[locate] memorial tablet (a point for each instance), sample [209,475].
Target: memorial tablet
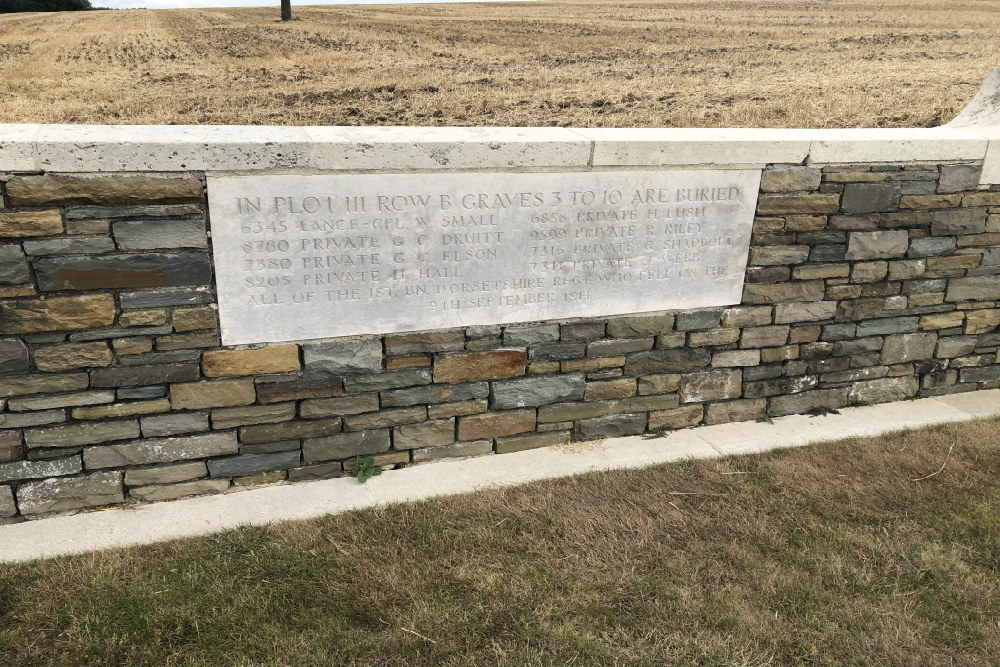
[301,257]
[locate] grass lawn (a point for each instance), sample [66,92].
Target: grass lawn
[831,554]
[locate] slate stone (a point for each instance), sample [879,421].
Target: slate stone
[345,445]
[980,288]
[711,385]
[391,380]
[123,271]
[827,253]
[70,493]
[458,449]
[435,393]
[955,221]
[425,434]
[166,474]
[640,326]
[694,320]
[77,245]
[152,391]
[252,464]
[346,357]
[41,383]
[13,266]
[198,487]
[13,356]
[888,325]
[150,211]
[610,426]
[959,177]
[73,435]
[666,361]
[271,447]
[931,246]
[515,336]
[167,296]
[117,332]
[779,386]
[519,443]
[399,345]
[252,414]
[313,428]
[157,234]
[883,390]
[790,179]
[28,419]
[323,386]
[133,376]
[160,450]
[735,411]
[581,331]
[7,506]
[496,424]
[492,365]
[18,470]
[881,244]
[158,358]
[345,405]
[537,390]
[988,374]
[614,347]
[870,197]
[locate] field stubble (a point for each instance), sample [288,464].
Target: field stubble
[677,63]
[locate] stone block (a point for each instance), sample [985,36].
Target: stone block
[49,189]
[955,346]
[979,288]
[694,320]
[201,487]
[38,469]
[74,435]
[123,271]
[735,358]
[166,474]
[713,337]
[81,245]
[981,199]
[610,426]
[149,211]
[881,244]
[770,336]
[902,348]
[204,339]
[314,472]
[10,446]
[58,401]
[456,409]
[539,390]
[14,356]
[854,222]
[402,363]
[735,411]
[7,506]
[814,271]
[495,424]
[682,417]
[252,414]
[666,361]
[959,177]
[556,351]
[345,405]
[945,320]
[869,272]
[69,356]
[778,255]
[426,434]
[981,321]
[805,290]
[313,428]
[590,365]
[122,409]
[400,345]
[989,374]
[659,383]
[63,494]
[492,365]
[640,326]
[271,447]
[38,384]
[951,222]
[160,234]
[135,376]
[581,331]
[30,223]
[930,201]
[272,359]
[456,450]
[139,318]
[746,316]
[711,385]
[213,394]
[768,274]
[790,179]
[166,296]
[292,390]
[519,443]
[193,319]
[13,266]
[385,418]
[806,401]
[779,386]
[781,204]
[531,334]
[870,198]
[883,390]
[617,388]
[887,325]
[160,450]
[345,445]
[384,381]
[252,464]
[931,246]
[87,311]
[616,347]
[785,313]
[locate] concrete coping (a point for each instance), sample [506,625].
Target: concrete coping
[973,136]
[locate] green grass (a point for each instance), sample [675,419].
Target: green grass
[824,555]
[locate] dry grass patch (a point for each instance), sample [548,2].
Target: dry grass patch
[825,555]
[647,63]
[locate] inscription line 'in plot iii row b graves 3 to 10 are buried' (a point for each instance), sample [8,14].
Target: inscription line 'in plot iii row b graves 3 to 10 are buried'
[300,257]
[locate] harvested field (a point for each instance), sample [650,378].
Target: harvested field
[728,63]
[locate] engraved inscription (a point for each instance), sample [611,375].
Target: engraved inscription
[301,257]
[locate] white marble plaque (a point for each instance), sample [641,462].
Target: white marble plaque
[301,257]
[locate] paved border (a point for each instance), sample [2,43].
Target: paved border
[157,522]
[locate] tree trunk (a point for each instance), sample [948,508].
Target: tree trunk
[286,10]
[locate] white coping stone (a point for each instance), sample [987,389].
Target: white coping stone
[423,148]
[697,146]
[991,164]
[896,145]
[145,524]
[17,147]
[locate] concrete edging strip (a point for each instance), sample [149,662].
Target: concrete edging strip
[157,522]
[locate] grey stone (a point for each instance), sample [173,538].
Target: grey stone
[955,346]
[383,381]
[70,493]
[435,393]
[925,286]
[666,361]
[693,320]
[582,331]
[61,401]
[348,356]
[160,450]
[518,336]
[124,271]
[133,376]
[537,390]
[252,464]
[557,351]
[618,347]
[870,197]
[199,487]
[790,179]
[980,288]
[344,405]
[883,390]
[119,332]
[152,211]
[849,348]
[165,297]
[345,445]
[779,386]
[13,355]
[157,234]
[406,344]
[959,177]
[857,374]
[805,401]
[458,449]
[882,244]
[988,374]
[711,386]
[687,416]
[7,506]
[426,434]
[173,424]
[40,383]
[13,266]
[166,474]
[518,443]
[314,472]
[74,435]
[149,391]
[75,245]
[887,325]
[954,221]
[161,358]
[610,426]
[991,257]
[17,470]
[26,419]
[640,326]
[252,414]
[827,253]
[312,428]
[835,332]
[812,311]
[918,188]
[385,418]
[778,255]
[931,246]
[271,447]
[902,348]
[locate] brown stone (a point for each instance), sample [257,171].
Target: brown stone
[56,358]
[711,385]
[619,388]
[747,316]
[425,434]
[930,201]
[735,411]
[519,443]
[806,290]
[13,292]
[981,321]
[87,311]
[273,359]
[771,336]
[252,414]
[193,319]
[199,487]
[941,320]
[31,223]
[779,204]
[495,424]
[683,417]
[407,344]
[595,364]
[471,407]
[50,189]
[132,345]
[713,337]
[385,418]
[981,199]
[122,409]
[41,383]
[10,446]
[492,365]
[216,394]
[813,271]
[143,318]
[402,363]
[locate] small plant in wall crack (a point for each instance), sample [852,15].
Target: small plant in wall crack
[365,468]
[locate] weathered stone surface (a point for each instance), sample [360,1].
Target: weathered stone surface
[313,428]
[157,234]
[456,409]
[51,189]
[979,288]
[153,391]
[30,223]
[539,390]
[37,384]
[201,487]
[399,345]
[7,506]
[426,434]
[746,316]
[214,394]
[730,358]
[805,290]
[768,274]
[955,346]
[693,320]
[666,361]
[24,316]
[135,376]
[610,426]
[785,313]
[61,401]
[882,244]
[495,424]
[888,325]
[589,365]
[869,272]
[870,197]
[711,385]
[160,450]
[62,494]
[902,348]
[384,381]
[252,414]
[122,409]
[72,435]
[345,445]
[346,405]
[314,387]
[581,331]
[813,271]
[13,266]
[72,355]
[988,374]
[931,246]
[458,449]
[344,356]
[10,446]
[435,393]
[616,388]
[683,417]
[981,199]
[402,363]
[618,347]
[252,464]
[123,271]
[273,359]
[193,319]
[981,321]
[958,221]
[18,470]
[519,443]
[771,336]
[384,460]
[492,365]
[790,179]
[779,386]
[271,447]
[959,177]
[81,245]
[778,255]
[166,474]
[640,326]
[166,296]
[795,404]
[854,222]
[735,411]
[150,211]
[143,318]
[778,204]
[385,418]
[314,472]
[521,335]
[13,356]
[883,390]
